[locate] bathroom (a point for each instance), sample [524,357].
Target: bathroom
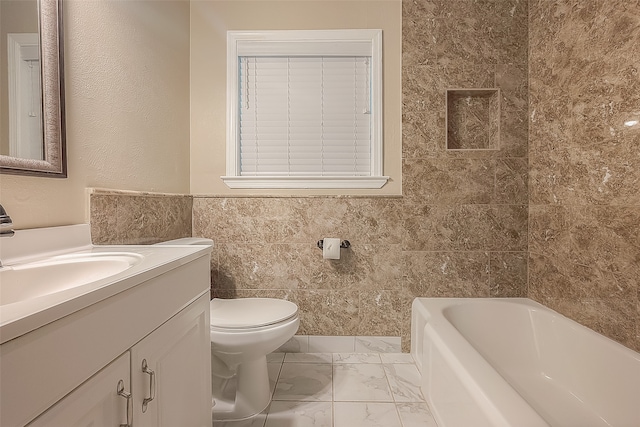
[553,215]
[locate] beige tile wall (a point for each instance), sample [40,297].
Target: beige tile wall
[136,218]
[460,228]
[267,247]
[559,196]
[584,236]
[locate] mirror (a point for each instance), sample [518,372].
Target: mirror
[32,121]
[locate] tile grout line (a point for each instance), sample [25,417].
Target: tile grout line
[273,394]
[333,365]
[393,396]
[333,395]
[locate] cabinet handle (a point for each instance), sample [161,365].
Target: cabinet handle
[152,385]
[121,392]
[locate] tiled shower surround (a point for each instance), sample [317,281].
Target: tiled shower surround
[584,161]
[555,219]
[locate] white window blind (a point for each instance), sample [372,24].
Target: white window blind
[304,109]
[305,116]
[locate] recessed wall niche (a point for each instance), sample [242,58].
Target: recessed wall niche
[473,119]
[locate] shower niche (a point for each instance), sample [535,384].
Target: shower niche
[473,119]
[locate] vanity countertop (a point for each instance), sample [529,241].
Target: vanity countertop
[21,317]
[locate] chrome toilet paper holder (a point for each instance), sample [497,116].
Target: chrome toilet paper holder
[344,244]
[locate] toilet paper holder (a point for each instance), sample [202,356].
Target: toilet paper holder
[344,244]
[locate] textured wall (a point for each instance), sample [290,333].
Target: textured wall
[460,228]
[266,247]
[127,105]
[585,163]
[210,21]
[135,218]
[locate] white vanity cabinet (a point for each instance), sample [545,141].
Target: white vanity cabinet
[172,391]
[169,392]
[94,403]
[66,373]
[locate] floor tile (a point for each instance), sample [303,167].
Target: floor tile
[324,344]
[415,415]
[308,358]
[297,344]
[275,357]
[304,381]
[356,358]
[347,414]
[404,380]
[273,369]
[396,358]
[360,382]
[257,421]
[342,390]
[377,345]
[300,414]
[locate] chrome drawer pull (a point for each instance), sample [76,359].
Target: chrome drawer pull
[152,385]
[121,392]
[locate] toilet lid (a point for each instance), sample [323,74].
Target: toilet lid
[250,312]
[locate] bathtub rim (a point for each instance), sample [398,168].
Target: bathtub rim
[481,381]
[430,312]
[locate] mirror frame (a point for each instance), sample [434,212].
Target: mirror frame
[54,164]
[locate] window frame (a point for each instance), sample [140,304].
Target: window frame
[303,43]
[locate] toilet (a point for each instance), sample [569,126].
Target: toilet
[243,331]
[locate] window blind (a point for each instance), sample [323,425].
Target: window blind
[305,115]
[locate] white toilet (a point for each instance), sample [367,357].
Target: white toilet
[243,332]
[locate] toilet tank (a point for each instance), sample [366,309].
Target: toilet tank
[188,241]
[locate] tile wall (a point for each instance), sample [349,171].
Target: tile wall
[469,223]
[584,153]
[133,218]
[458,230]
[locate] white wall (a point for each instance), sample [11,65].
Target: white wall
[210,21]
[127,100]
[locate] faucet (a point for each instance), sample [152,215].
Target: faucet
[5,224]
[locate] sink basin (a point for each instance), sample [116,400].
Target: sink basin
[35,279]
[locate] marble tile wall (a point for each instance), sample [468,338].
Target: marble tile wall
[267,247]
[473,118]
[584,153]
[136,218]
[552,215]
[465,212]
[458,230]
[460,227]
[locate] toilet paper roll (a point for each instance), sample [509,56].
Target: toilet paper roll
[331,248]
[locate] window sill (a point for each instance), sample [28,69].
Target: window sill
[354,182]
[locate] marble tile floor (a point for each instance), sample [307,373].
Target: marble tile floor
[342,390]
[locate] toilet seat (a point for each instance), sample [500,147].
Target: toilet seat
[250,313]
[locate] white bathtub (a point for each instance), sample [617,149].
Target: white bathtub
[513,362]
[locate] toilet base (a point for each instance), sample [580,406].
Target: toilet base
[250,396]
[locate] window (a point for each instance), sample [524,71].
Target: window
[304,109]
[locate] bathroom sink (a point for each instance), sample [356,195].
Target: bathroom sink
[52,272]
[30,280]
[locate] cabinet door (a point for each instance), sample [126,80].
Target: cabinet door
[95,403]
[175,388]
